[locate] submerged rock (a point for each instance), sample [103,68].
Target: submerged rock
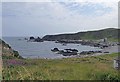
[69,53]
[64,44]
[90,52]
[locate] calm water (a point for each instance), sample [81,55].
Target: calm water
[41,49]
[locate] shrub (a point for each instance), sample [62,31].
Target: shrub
[107,76]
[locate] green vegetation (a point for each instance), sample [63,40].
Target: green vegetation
[88,68]
[110,33]
[8,52]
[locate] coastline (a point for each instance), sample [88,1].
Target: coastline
[110,49]
[100,66]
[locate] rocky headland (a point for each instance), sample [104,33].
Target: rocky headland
[110,33]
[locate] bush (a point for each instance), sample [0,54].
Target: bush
[107,76]
[16,54]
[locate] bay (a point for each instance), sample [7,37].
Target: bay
[42,49]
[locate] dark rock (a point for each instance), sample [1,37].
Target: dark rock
[32,38]
[69,53]
[38,39]
[106,52]
[60,52]
[90,52]
[55,50]
[71,50]
[98,51]
[118,43]
[65,52]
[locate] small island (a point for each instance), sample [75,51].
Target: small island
[33,39]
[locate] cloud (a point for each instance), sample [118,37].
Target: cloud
[88,9]
[58,17]
[95,1]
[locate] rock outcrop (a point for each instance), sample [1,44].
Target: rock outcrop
[32,39]
[65,52]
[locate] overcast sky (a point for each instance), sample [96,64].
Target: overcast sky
[55,17]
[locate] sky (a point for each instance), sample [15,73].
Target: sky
[39,18]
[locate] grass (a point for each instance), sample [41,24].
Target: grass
[89,68]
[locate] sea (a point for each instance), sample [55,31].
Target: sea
[42,49]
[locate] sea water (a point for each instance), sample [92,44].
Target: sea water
[42,49]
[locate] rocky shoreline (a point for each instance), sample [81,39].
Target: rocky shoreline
[102,44]
[96,43]
[74,52]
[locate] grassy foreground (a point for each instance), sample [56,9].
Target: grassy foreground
[89,68]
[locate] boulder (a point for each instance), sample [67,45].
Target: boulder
[32,38]
[55,50]
[71,50]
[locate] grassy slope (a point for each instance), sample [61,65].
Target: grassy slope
[89,68]
[110,33]
[6,52]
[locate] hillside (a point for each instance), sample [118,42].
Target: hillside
[8,52]
[110,33]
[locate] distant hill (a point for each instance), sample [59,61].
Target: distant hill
[110,33]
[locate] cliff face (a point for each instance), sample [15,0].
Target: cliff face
[110,33]
[7,51]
